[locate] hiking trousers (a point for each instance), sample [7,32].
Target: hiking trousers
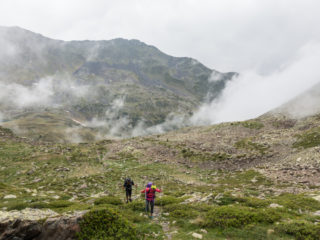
[128,192]
[151,203]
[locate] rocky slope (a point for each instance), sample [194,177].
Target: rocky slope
[99,83]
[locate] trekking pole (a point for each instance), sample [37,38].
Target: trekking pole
[145,199]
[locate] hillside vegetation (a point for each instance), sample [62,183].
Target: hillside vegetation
[257,179]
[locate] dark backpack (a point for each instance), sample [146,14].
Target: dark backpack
[128,183]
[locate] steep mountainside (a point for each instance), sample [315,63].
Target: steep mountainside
[88,78]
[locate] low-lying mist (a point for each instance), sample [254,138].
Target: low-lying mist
[250,94]
[246,96]
[46,92]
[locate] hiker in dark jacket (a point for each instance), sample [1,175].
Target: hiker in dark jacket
[128,183]
[150,195]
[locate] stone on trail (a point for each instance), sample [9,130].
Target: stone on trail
[275,205]
[11,196]
[204,231]
[317,213]
[316,198]
[197,235]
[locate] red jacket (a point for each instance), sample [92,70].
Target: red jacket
[150,193]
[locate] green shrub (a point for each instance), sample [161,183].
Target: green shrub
[183,214]
[39,205]
[238,216]
[59,204]
[268,215]
[149,229]
[105,224]
[308,139]
[166,200]
[254,202]
[226,199]
[252,124]
[136,206]
[51,205]
[133,216]
[108,200]
[17,206]
[229,216]
[185,211]
[252,146]
[298,201]
[3,186]
[204,157]
[300,230]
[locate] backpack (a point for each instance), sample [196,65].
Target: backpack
[128,182]
[153,192]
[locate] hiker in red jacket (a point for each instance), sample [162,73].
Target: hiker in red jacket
[150,195]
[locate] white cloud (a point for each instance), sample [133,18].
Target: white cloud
[41,93]
[251,94]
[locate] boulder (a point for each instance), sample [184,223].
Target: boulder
[29,225]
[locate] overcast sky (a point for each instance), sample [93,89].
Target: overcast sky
[226,35]
[273,44]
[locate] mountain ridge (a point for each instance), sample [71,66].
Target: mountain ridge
[151,84]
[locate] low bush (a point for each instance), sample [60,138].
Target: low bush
[298,201]
[59,204]
[136,206]
[51,205]
[105,224]
[226,199]
[252,124]
[166,200]
[300,230]
[184,211]
[308,139]
[17,206]
[108,200]
[254,202]
[238,216]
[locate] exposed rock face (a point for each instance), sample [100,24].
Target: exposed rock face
[22,227]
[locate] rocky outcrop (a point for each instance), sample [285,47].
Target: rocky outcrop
[17,225]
